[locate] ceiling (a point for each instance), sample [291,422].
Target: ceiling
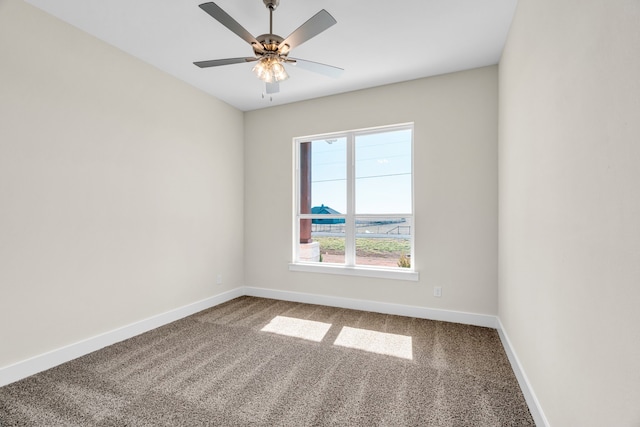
[375,42]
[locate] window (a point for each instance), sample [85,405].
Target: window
[354,200]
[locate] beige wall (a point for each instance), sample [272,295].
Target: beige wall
[455,164]
[570,206]
[120,187]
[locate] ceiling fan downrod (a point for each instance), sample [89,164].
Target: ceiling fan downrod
[271,5]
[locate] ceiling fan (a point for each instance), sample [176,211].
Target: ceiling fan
[271,51]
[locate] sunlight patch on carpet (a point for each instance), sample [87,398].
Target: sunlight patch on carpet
[298,328]
[376,342]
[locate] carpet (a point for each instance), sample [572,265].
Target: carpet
[262,362]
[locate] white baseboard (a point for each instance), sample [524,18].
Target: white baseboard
[377,307]
[529,395]
[61,355]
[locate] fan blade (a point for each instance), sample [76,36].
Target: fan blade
[314,26]
[223,17]
[273,87]
[218,62]
[316,67]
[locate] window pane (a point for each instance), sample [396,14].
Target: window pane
[383,242]
[322,241]
[383,172]
[323,176]
[331,238]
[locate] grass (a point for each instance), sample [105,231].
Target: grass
[366,246]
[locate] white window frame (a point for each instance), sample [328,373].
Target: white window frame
[349,268]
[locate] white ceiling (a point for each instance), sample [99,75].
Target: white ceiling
[375,42]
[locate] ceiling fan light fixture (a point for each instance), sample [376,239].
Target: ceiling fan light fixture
[279,73]
[270,70]
[262,71]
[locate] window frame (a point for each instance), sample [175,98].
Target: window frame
[349,267]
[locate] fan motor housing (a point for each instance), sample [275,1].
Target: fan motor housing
[270,42]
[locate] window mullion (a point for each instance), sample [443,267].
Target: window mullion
[350,227]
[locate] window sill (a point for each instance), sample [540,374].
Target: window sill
[381,273]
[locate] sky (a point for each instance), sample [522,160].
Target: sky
[383,173]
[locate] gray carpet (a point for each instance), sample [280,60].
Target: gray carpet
[231,365]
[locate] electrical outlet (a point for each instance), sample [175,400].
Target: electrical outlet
[219,279]
[437,291]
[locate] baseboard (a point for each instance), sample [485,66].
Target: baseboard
[529,395]
[61,355]
[377,307]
